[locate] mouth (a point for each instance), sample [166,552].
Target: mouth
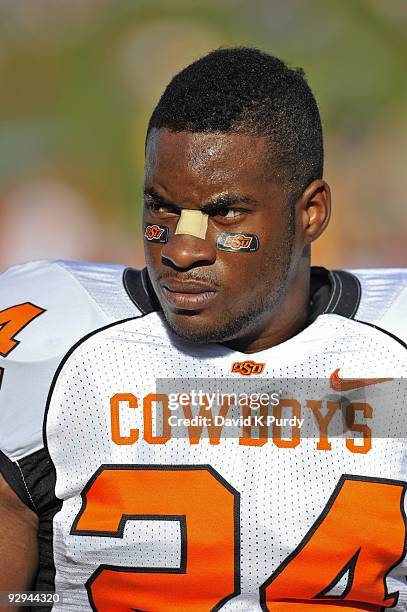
[187,295]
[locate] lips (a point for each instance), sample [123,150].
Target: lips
[187,295]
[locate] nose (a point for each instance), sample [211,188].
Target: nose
[185,251]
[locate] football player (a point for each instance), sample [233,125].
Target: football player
[128,481]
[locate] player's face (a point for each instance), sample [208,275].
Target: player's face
[207,294]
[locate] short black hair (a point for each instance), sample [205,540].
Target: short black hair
[249,91]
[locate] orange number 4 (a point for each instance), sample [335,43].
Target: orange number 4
[356,541]
[12,321]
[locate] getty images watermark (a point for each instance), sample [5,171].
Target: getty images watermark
[204,405]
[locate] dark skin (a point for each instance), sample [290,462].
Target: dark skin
[247,301]
[18,544]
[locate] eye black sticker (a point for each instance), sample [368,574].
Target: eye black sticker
[156,233]
[238,243]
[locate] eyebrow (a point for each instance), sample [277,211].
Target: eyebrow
[222,201]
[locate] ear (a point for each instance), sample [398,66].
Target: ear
[315,206]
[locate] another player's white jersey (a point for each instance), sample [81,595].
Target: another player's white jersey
[45,308]
[149,500]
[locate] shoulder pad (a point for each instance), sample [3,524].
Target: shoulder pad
[384,299]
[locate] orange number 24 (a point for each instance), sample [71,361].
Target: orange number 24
[360,536]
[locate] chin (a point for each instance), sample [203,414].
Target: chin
[193,328]
[185,327]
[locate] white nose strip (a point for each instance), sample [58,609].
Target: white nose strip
[192,222]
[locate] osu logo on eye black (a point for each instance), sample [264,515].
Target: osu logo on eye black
[237,242]
[246,368]
[156,233]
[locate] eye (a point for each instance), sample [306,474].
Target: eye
[159,210]
[231,214]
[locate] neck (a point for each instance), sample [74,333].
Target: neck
[288,318]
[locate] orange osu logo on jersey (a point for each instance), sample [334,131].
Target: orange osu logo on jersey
[246,368]
[153,231]
[240,241]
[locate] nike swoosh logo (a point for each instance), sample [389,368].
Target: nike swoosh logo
[347,384]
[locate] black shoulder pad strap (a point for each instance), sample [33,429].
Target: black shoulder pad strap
[346,294]
[14,477]
[139,289]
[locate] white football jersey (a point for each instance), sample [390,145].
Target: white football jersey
[173,476]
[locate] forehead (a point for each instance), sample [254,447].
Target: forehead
[205,161]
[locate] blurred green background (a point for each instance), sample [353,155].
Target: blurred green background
[79,79]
